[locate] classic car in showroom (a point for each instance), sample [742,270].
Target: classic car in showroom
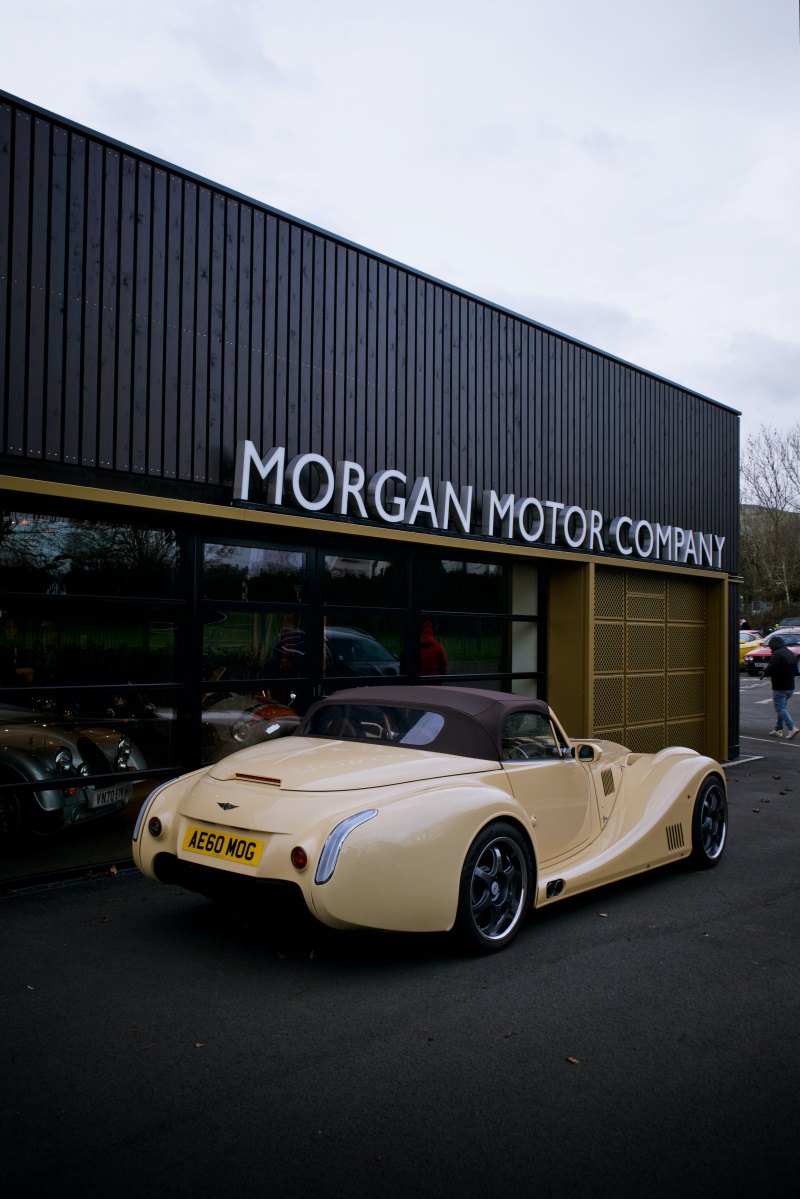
[427,809]
[37,747]
[757,658]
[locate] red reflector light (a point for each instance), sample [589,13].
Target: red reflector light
[71,791]
[154,824]
[299,858]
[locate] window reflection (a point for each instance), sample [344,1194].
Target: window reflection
[233,720]
[237,572]
[67,743]
[458,586]
[470,645]
[67,556]
[372,648]
[364,581]
[61,643]
[253,645]
[104,839]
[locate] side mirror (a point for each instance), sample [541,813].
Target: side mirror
[587,753]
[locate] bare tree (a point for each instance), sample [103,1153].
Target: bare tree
[770,524]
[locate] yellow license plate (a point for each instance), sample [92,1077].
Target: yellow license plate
[226,847]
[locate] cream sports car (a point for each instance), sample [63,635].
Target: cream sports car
[424,809]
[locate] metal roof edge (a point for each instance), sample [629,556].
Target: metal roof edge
[344,241]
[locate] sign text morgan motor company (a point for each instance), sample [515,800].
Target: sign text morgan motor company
[345,491]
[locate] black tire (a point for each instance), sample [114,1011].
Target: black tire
[709,824]
[496,889]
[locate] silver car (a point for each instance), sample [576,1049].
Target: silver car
[36,749]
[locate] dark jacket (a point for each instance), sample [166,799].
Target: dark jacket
[782,666]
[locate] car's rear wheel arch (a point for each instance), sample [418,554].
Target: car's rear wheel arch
[709,822]
[526,833]
[500,862]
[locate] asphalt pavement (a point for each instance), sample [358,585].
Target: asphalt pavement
[641,1040]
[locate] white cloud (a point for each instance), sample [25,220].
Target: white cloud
[626,172]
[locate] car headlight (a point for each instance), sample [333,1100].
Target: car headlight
[123,752]
[63,761]
[330,852]
[143,810]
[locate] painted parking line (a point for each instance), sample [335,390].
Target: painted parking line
[770,740]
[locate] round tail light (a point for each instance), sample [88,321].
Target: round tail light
[154,825]
[299,858]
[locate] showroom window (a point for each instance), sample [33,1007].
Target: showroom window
[132,653]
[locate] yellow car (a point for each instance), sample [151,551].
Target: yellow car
[748,640]
[430,809]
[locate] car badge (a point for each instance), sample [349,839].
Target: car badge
[226,807]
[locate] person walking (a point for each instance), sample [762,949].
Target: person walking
[782,670]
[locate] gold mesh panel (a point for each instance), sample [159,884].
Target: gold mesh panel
[686,599]
[609,593]
[650,658]
[643,582]
[691,733]
[647,739]
[645,698]
[645,647]
[608,702]
[610,735]
[686,695]
[686,647]
[609,648]
[645,607]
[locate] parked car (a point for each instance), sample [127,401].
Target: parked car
[230,722]
[748,640]
[348,652]
[34,748]
[755,660]
[424,809]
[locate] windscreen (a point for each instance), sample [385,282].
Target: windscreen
[375,722]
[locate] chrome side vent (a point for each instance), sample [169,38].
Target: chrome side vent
[608,781]
[674,836]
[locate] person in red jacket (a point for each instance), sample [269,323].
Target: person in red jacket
[432,658]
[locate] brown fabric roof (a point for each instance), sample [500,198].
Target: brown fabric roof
[474,719]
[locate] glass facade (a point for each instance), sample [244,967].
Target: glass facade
[129,654]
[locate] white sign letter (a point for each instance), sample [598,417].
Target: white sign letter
[246,456]
[421,502]
[504,508]
[343,488]
[446,498]
[614,534]
[519,518]
[375,497]
[720,541]
[295,469]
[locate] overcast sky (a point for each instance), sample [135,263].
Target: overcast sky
[626,171]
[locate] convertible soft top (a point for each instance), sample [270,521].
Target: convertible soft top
[473,722]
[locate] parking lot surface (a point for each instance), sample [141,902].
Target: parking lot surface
[640,1040]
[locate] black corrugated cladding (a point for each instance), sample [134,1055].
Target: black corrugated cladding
[151,319]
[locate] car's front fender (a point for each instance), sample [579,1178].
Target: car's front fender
[402,869]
